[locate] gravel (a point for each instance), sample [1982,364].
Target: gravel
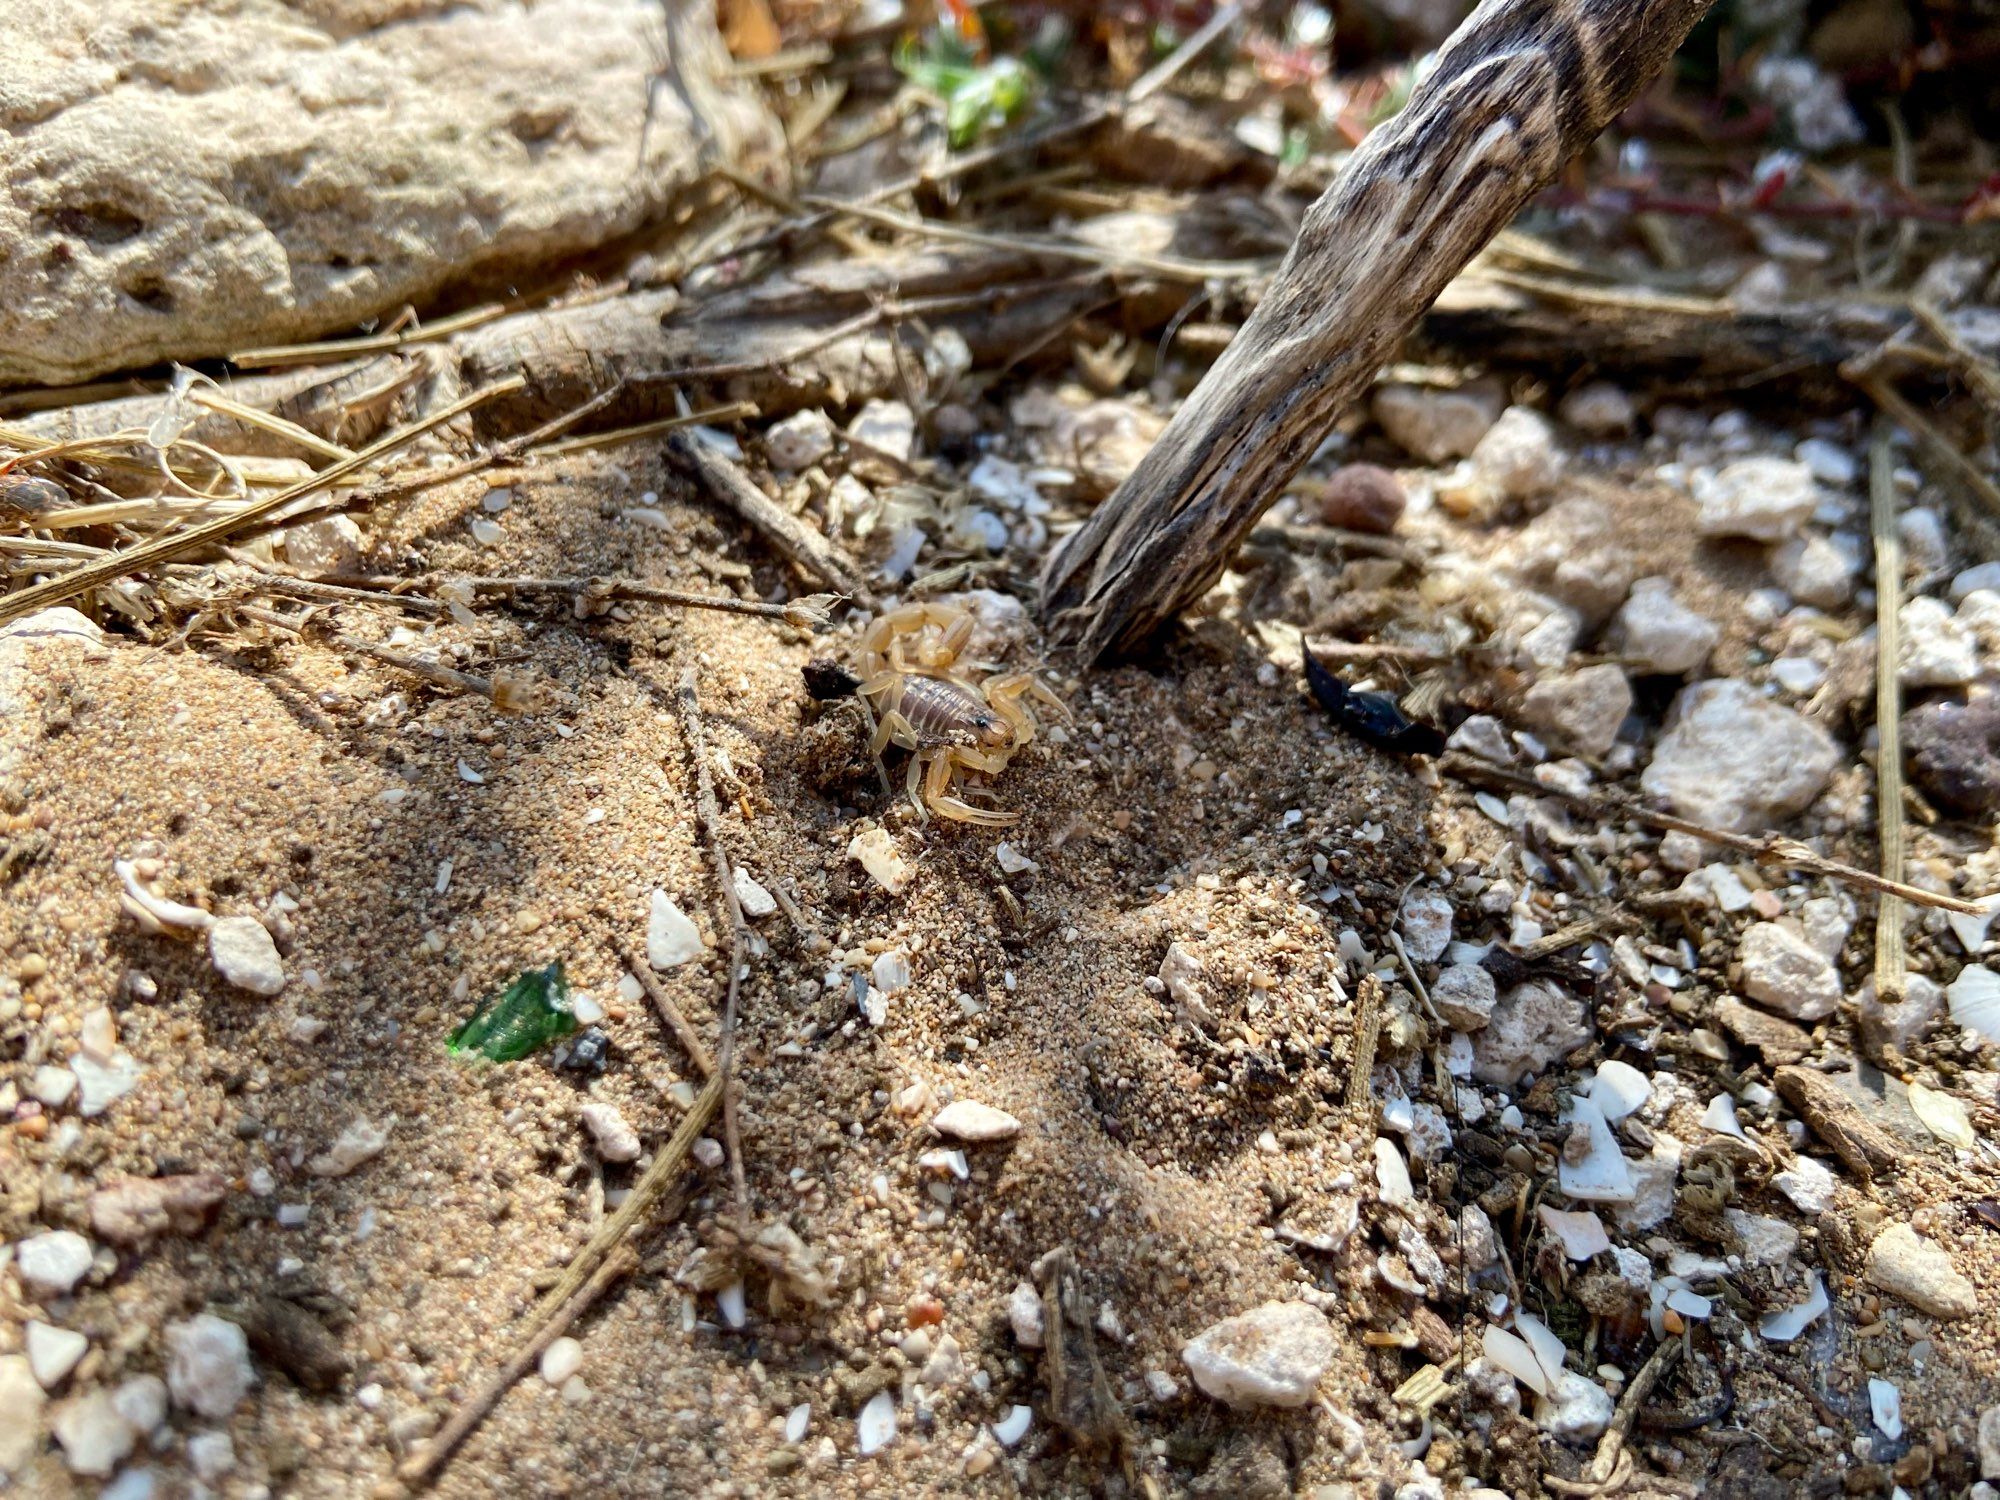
[1273,1355]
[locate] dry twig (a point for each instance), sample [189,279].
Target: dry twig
[422,1466]
[1772,849]
[711,822]
[179,544]
[1890,960]
[725,482]
[807,613]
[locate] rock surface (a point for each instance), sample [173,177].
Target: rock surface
[243,953]
[53,1262]
[1953,752]
[20,1413]
[186,178]
[1763,499]
[1787,973]
[1363,497]
[1532,1026]
[1436,425]
[1906,1265]
[1737,761]
[1581,709]
[1273,1355]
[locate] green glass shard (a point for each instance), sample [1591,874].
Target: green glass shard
[525,1017]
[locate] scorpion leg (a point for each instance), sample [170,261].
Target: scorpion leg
[916,783]
[937,792]
[894,729]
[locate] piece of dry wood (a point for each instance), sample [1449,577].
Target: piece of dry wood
[808,613]
[1837,1120]
[676,1020]
[1521,87]
[727,484]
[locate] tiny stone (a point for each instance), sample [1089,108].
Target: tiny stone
[1363,497]
[965,1120]
[1734,760]
[360,1142]
[1464,995]
[1517,456]
[1434,424]
[1532,1026]
[21,1402]
[1426,920]
[752,897]
[1658,633]
[1785,972]
[672,938]
[208,1365]
[95,1438]
[1583,709]
[1024,1315]
[1273,1355]
[562,1359]
[1953,752]
[100,1085]
[51,1086]
[613,1138]
[53,1352]
[211,1455]
[243,953]
[1808,1184]
[1578,1413]
[1920,1272]
[1815,571]
[1598,408]
[51,1263]
[128,1211]
[1764,499]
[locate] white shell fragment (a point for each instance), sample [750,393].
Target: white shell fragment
[1392,1174]
[1617,1089]
[1975,1001]
[1580,1234]
[1600,1176]
[1786,1324]
[1011,1428]
[158,908]
[877,852]
[1511,1353]
[876,1426]
[1885,1404]
[672,938]
[361,1141]
[1721,1116]
[752,897]
[243,953]
[967,1120]
[1944,1115]
[1273,1355]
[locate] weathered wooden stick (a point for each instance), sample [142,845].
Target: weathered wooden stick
[1520,88]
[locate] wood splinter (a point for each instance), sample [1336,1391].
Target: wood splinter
[1519,89]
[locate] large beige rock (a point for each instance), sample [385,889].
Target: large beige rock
[180,178]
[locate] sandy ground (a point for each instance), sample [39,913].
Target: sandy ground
[1189,802]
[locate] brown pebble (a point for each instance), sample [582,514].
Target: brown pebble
[31,968]
[1363,497]
[923,1312]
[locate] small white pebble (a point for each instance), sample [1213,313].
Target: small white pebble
[562,1359]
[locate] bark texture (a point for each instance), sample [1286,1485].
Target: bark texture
[1521,87]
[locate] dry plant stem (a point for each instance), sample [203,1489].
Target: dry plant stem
[179,544]
[1610,1459]
[298,354]
[416,666]
[627,588]
[711,823]
[734,411]
[421,1467]
[334,593]
[1772,849]
[1519,89]
[675,1019]
[312,442]
[730,486]
[1980,375]
[1961,472]
[647,1191]
[1891,963]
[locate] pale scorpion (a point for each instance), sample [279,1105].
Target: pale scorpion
[948,723]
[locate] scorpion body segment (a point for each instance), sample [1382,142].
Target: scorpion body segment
[948,723]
